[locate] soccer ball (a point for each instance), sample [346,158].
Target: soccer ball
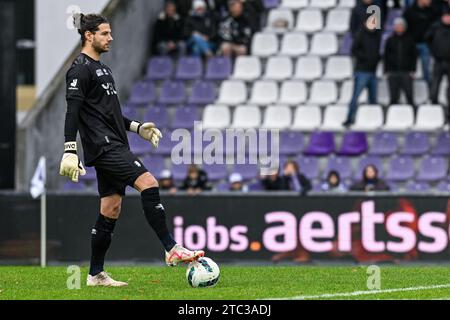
[203,273]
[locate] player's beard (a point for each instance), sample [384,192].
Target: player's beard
[98,47]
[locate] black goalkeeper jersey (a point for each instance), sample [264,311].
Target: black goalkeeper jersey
[90,84]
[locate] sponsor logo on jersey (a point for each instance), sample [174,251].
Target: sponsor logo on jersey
[99,72]
[73,85]
[105,71]
[109,87]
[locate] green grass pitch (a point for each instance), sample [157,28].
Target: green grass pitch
[236,282]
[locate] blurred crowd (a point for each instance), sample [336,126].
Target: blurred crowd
[422,31]
[207,27]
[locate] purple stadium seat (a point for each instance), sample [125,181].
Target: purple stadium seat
[129,112]
[442,147]
[216,171]
[291,143]
[416,143]
[346,46]
[203,92]
[159,68]
[392,15]
[157,115]
[413,186]
[354,143]
[172,92]
[222,187]
[218,68]
[90,174]
[309,166]
[189,68]
[72,186]
[255,187]
[364,162]
[142,93]
[270,4]
[165,144]
[179,171]
[400,168]
[138,145]
[184,117]
[443,186]
[432,169]
[339,164]
[320,144]
[154,164]
[384,143]
[247,171]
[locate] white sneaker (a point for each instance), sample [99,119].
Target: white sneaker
[103,279]
[180,254]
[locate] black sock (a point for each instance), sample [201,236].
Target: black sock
[156,217]
[100,241]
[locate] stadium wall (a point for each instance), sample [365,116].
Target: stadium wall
[232,228]
[41,133]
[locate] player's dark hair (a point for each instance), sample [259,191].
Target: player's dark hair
[88,22]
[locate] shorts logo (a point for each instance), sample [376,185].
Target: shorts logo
[94,231]
[159,206]
[107,139]
[99,72]
[137,164]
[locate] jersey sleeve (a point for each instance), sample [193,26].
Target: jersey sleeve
[77,84]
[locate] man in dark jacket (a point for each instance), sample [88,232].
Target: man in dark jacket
[400,59]
[168,32]
[359,16]
[200,30]
[366,51]
[293,179]
[420,16]
[253,9]
[438,39]
[235,32]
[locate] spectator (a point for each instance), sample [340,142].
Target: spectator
[196,180]
[234,31]
[359,16]
[272,181]
[370,181]
[200,29]
[293,180]
[366,50]
[168,32]
[253,10]
[184,7]
[420,16]
[166,182]
[438,39]
[333,183]
[236,183]
[400,60]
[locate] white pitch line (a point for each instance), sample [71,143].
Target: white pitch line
[360,293]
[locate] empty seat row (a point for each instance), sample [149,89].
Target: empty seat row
[306,68]
[188,68]
[294,44]
[299,4]
[292,92]
[369,118]
[309,20]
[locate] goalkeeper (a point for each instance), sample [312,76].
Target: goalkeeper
[93,110]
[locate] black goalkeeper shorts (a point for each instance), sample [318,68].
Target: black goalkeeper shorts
[116,169]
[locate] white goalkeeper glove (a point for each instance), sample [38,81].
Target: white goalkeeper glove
[71,166]
[147,131]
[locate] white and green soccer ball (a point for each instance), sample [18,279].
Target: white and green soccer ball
[203,273]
